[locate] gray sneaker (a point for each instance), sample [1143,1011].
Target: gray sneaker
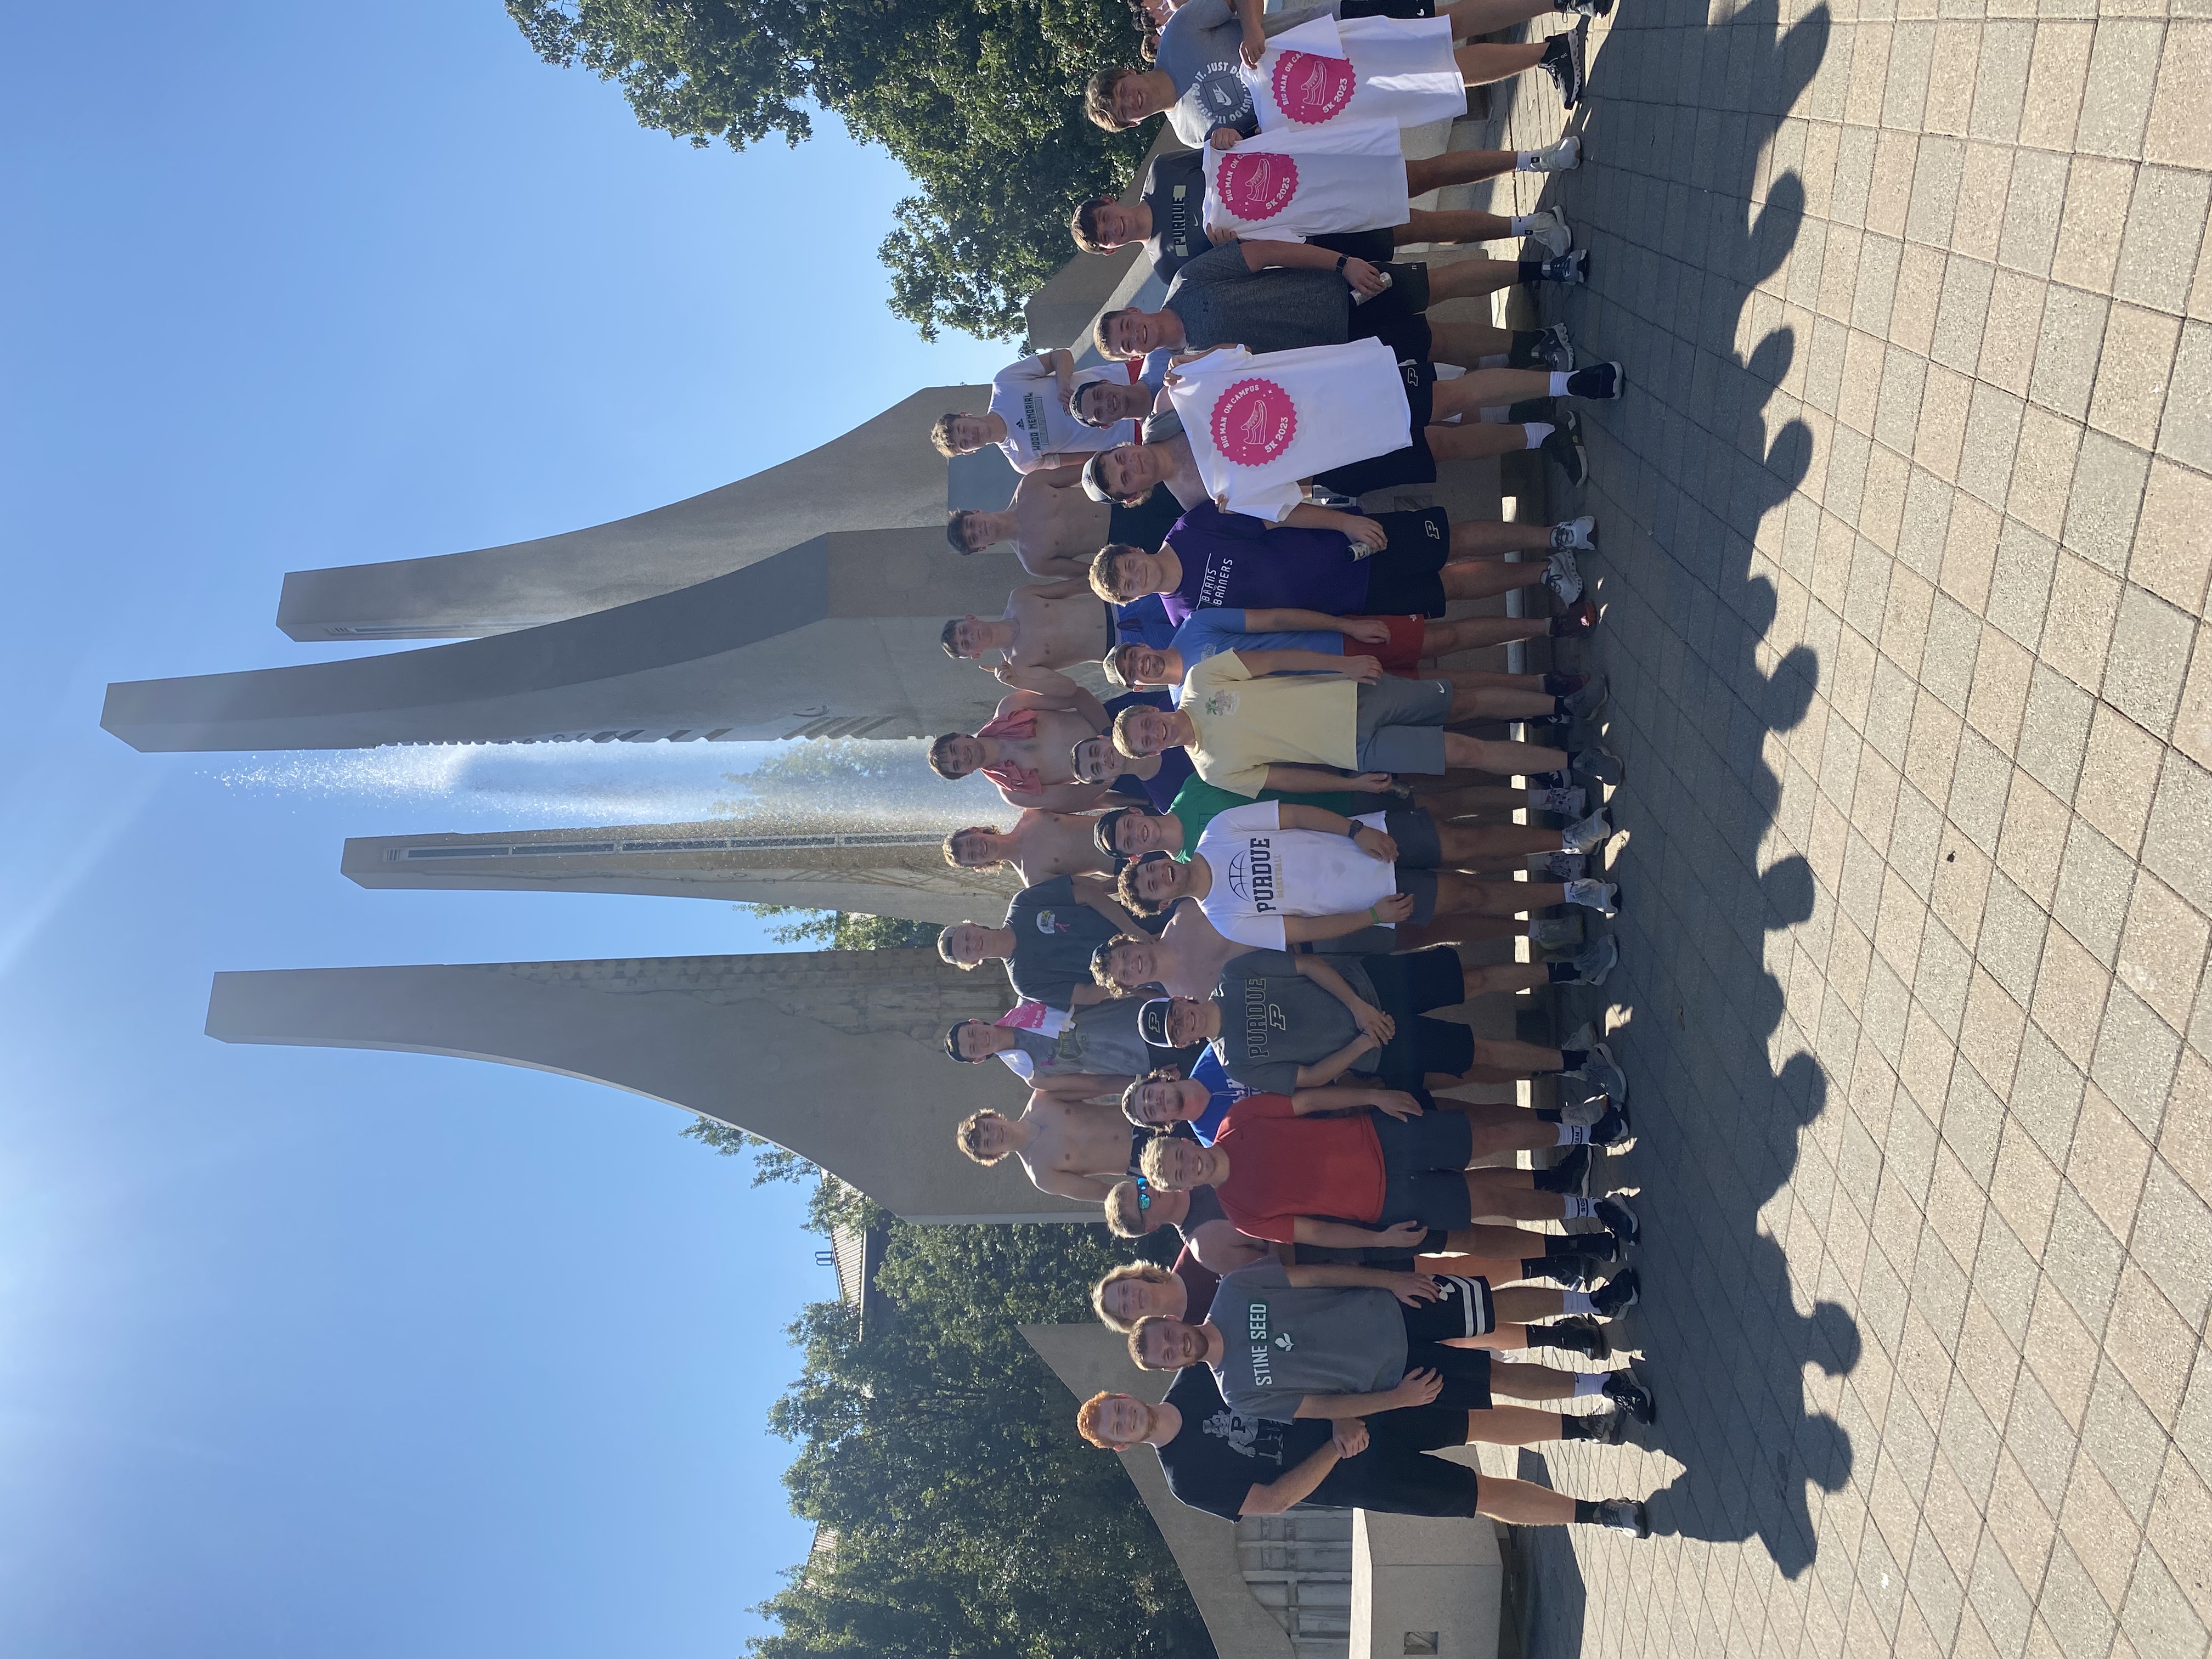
[1584,1036]
[1598,895]
[1559,866]
[1600,765]
[1602,1074]
[1596,960]
[1563,577]
[1580,534]
[1550,231]
[1624,1515]
[1566,801]
[1556,933]
[1589,703]
[1562,157]
[1592,833]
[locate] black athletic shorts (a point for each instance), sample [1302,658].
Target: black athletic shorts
[1419,853]
[1396,1476]
[1405,987]
[1396,315]
[1423,1161]
[1373,245]
[1403,580]
[1412,465]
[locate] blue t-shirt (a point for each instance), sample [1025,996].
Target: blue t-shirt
[1240,562]
[1221,627]
[1144,622]
[1225,1091]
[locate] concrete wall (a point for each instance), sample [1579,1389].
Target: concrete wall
[832,1054]
[836,637]
[882,475]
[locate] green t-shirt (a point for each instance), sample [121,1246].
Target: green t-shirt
[1197,802]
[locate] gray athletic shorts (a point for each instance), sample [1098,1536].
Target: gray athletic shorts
[1419,853]
[1402,725]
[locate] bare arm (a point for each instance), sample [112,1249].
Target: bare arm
[1260,663]
[1310,256]
[1079,1086]
[1292,815]
[1346,1404]
[1343,1236]
[1067,589]
[1342,1096]
[1219,1247]
[1096,895]
[1305,930]
[1323,1275]
[1320,780]
[1333,982]
[1063,1185]
[1060,797]
[1278,619]
[1307,516]
[1328,1070]
[1292,1487]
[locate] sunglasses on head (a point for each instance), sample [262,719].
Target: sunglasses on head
[1144,1193]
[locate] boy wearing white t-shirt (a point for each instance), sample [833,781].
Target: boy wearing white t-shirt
[1274,874]
[1029,417]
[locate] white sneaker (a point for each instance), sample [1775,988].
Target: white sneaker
[1579,534]
[1599,895]
[1558,799]
[1563,577]
[1562,157]
[1592,832]
[1549,230]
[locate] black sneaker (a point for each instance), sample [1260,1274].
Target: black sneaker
[1573,268]
[1563,61]
[1581,616]
[1556,347]
[1576,1333]
[1625,1389]
[1617,1295]
[1564,447]
[1570,1176]
[1576,1272]
[1613,1128]
[1618,1219]
[1597,383]
[1623,1515]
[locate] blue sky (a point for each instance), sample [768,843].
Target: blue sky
[321,1353]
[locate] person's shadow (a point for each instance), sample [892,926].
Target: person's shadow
[1683,222]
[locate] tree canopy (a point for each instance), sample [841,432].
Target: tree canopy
[970,1522]
[980,101]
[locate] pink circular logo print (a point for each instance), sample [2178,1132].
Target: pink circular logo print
[1253,187]
[1253,423]
[1310,90]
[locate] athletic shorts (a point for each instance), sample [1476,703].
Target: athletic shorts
[1405,987]
[1410,466]
[1396,1476]
[1403,579]
[1401,653]
[1401,726]
[1466,1372]
[1464,1309]
[1423,1159]
[1395,316]
[1373,245]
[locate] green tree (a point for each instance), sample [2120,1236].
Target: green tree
[980,101]
[971,1521]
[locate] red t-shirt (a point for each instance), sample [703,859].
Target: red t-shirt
[1282,1166]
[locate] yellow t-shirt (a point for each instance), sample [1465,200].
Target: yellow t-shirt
[1247,725]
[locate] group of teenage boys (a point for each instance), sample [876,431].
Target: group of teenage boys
[1245,872]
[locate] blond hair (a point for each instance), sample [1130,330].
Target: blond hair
[1151,1272]
[1124,744]
[952,847]
[1153,1160]
[1120,1197]
[968,1135]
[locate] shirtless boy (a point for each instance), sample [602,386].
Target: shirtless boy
[1074,1148]
[1045,625]
[1040,845]
[1053,523]
[1026,749]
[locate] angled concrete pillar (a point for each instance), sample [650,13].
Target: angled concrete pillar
[897,873]
[832,1054]
[1089,1358]
[836,637]
[882,475]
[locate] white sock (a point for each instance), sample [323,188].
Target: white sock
[1537,431]
[1498,359]
[1572,1134]
[1575,1302]
[1559,385]
[1578,1209]
[1588,1383]
[1525,160]
[1520,223]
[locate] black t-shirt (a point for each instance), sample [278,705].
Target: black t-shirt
[1055,934]
[1204,1208]
[1175,189]
[1219,1454]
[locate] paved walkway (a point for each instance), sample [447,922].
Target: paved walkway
[1907,523]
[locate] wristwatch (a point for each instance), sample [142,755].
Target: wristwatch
[1340,258]
[1353,833]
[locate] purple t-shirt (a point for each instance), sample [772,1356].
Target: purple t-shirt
[1235,559]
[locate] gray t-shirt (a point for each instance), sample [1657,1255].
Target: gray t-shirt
[1280,1344]
[1199,49]
[1175,189]
[1103,1042]
[1274,1019]
[1222,301]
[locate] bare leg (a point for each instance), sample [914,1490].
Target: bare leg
[1518,1382]
[1472,1267]
[1471,17]
[1479,66]
[1458,167]
[1496,1243]
[1500,1129]
[1505,979]
[1522,1058]
[1450,225]
[1462,841]
[1507,1193]
[1476,440]
[1512,1425]
[1527,1305]
[1463,929]
[1475,798]
[1500,757]
[1467,344]
[1492,703]
[1485,388]
[1495,898]
[1523,1502]
[1482,579]
[1466,279]
[1482,538]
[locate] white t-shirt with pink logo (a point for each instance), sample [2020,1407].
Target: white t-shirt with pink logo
[1296,182]
[1398,70]
[1259,424]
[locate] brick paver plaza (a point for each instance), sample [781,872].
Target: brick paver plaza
[1906,524]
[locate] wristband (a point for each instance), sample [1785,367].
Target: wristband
[1373,916]
[1340,258]
[1351,831]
